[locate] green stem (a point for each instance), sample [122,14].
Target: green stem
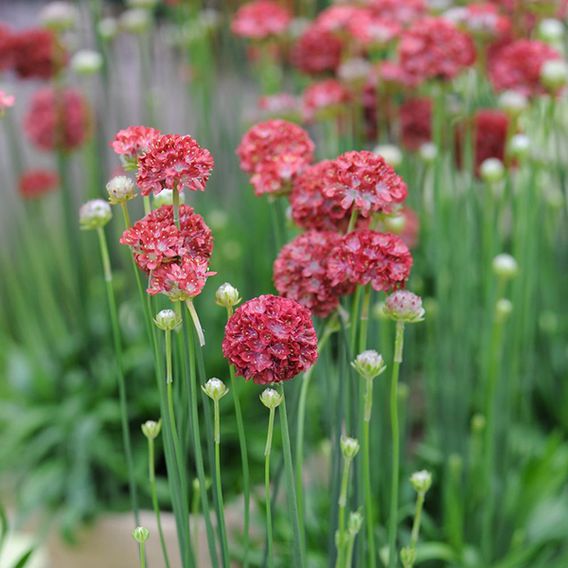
[175,203]
[341,516]
[267,450]
[196,322]
[352,220]
[369,517]
[142,554]
[417,517]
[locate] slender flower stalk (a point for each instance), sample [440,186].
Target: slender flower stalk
[140,535]
[354,526]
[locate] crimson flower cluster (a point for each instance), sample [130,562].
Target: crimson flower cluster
[36,183]
[317,51]
[130,143]
[270,339]
[260,20]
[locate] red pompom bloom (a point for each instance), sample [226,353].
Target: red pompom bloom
[174,161]
[57,119]
[274,152]
[518,65]
[364,181]
[300,272]
[416,122]
[260,20]
[317,51]
[130,143]
[270,339]
[36,183]
[433,48]
[367,257]
[37,54]
[325,97]
[401,12]
[372,30]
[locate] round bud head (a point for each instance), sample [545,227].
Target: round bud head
[349,447]
[94,214]
[87,62]
[270,398]
[421,481]
[428,152]
[408,556]
[503,309]
[120,189]
[369,364]
[550,30]
[215,389]
[478,423]
[513,102]
[554,74]
[59,16]
[107,28]
[519,146]
[395,224]
[492,170]
[227,296]
[404,306]
[140,534]
[167,320]
[390,153]
[505,266]
[135,21]
[166,197]
[151,429]
[354,523]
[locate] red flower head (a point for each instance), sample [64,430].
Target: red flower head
[517,66]
[317,51]
[393,72]
[401,12]
[364,181]
[300,272]
[6,47]
[490,127]
[270,339]
[274,152]
[416,122]
[180,280]
[57,119]
[130,143]
[325,97]
[433,48]
[368,257]
[260,19]
[174,161]
[336,19]
[37,54]
[36,183]
[372,30]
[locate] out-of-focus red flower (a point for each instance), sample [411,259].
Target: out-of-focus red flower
[274,152]
[260,19]
[300,272]
[270,339]
[317,51]
[370,30]
[517,66]
[368,257]
[6,47]
[490,126]
[336,18]
[393,72]
[6,101]
[36,183]
[434,48]
[364,181]
[174,161]
[36,54]
[481,20]
[401,12]
[280,105]
[416,122]
[324,98]
[130,143]
[57,119]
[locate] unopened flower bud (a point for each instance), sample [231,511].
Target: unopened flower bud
[166,197]
[59,16]
[513,102]
[354,523]
[519,146]
[550,30]
[94,214]
[428,152]
[503,309]
[492,170]
[227,296]
[151,429]
[87,62]
[215,389]
[107,28]
[408,556]
[421,481]
[270,398]
[349,447]
[369,364]
[478,423]
[167,320]
[135,21]
[390,153]
[505,266]
[554,74]
[120,189]
[140,534]
[404,306]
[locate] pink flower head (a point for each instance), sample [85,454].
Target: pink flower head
[401,12]
[364,181]
[260,19]
[270,339]
[325,97]
[36,183]
[300,271]
[317,51]
[6,101]
[393,72]
[37,54]
[130,143]
[274,152]
[336,18]
[416,122]
[371,30]
[369,257]
[174,161]
[180,280]
[280,105]
[434,48]
[57,119]
[517,66]
[481,20]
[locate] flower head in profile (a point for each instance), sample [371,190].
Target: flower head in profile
[173,161]
[260,19]
[270,339]
[36,183]
[130,143]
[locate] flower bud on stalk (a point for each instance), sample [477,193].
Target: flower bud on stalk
[151,429]
[94,214]
[86,62]
[519,146]
[492,171]
[349,447]
[505,266]
[59,16]
[270,398]
[369,364]
[140,534]
[227,296]
[215,389]
[167,320]
[421,481]
[554,75]
[120,189]
[503,310]
[391,154]
[404,306]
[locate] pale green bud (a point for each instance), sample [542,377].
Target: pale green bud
[408,556]
[492,170]
[349,447]
[505,266]
[354,523]
[404,306]
[421,481]
[519,146]
[390,153]
[135,21]
[94,214]
[59,16]
[554,74]
[151,429]
[87,62]
[215,389]
[166,197]
[428,152]
[227,296]
[120,189]
[369,364]
[167,320]
[140,534]
[513,102]
[270,398]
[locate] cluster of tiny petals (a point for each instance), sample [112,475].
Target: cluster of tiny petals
[300,271]
[368,257]
[416,122]
[270,339]
[260,19]
[36,54]
[36,183]
[317,51]
[180,280]
[364,181]
[434,48]
[274,152]
[324,95]
[405,306]
[174,161]
[133,141]
[518,65]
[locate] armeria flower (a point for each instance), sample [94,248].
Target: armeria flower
[434,48]
[300,272]
[180,280]
[518,65]
[260,19]
[174,161]
[369,257]
[395,73]
[416,122]
[155,239]
[37,54]
[364,181]
[270,339]
[401,12]
[404,306]
[317,51]
[36,183]
[130,143]
[371,30]
[274,152]
[57,119]
[324,98]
